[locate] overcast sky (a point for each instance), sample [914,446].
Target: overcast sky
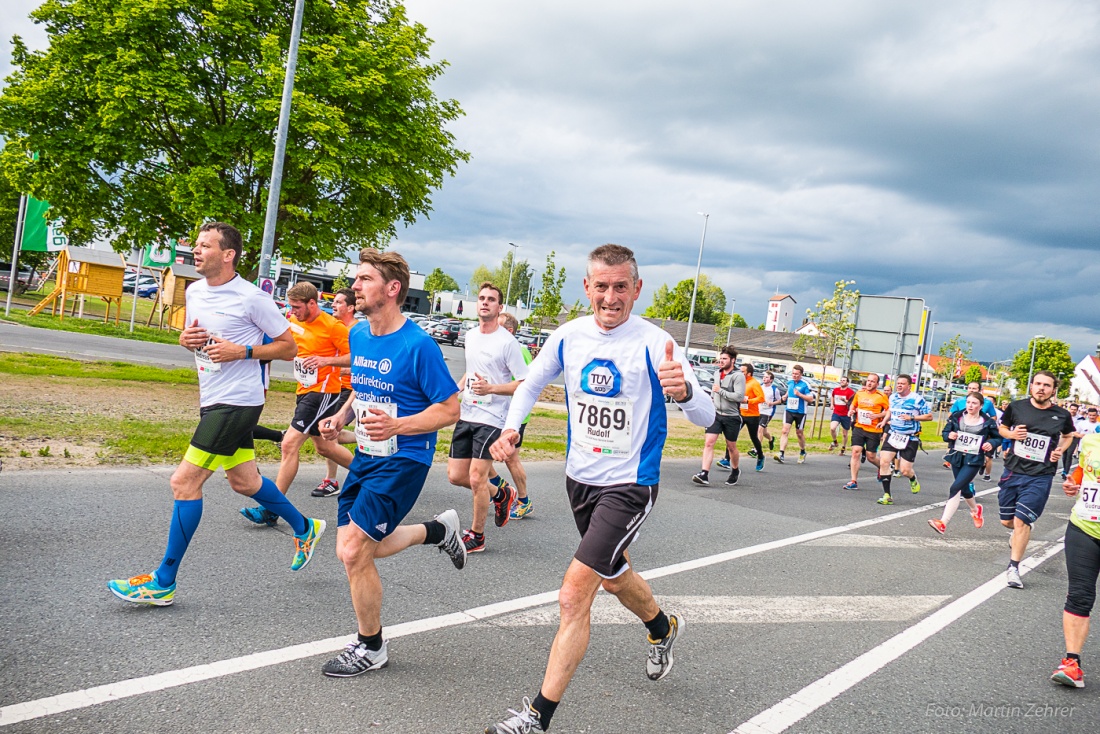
[938,150]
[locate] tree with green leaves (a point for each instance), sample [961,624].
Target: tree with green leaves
[520,276]
[835,323]
[577,310]
[1051,355]
[953,353]
[437,281]
[973,374]
[152,116]
[549,295]
[722,327]
[675,303]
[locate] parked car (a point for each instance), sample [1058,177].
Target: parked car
[447,332]
[147,285]
[24,279]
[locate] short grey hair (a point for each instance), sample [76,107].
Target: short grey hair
[612,255]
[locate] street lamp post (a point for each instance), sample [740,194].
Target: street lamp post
[695,290]
[729,332]
[268,244]
[1031,367]
[511,267]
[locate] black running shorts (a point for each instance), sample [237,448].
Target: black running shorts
[795,419]
[472,440]
[313,407]
[726,425]
[225,429]
[867,439]
[608,519]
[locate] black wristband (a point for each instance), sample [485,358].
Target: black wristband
[248,351]
[689,395]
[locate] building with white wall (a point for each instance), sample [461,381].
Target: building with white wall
[780,313]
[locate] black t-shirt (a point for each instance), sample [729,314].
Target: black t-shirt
[1044,427]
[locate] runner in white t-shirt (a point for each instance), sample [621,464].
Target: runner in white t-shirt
[617,370]
[227,319]
[494,369]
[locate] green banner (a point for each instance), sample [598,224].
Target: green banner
[40,235]
[160,254]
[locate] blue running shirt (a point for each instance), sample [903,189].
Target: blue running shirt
[407,368]
[902,411]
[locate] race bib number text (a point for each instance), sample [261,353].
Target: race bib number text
[1088,503]
[897,440]
[1033,447]
[306,376]
[602,425]
[373,448]
[968,443]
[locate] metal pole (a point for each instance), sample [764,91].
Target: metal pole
[1031,367]
[15,251]
[695,290]
[268,246]
[729,332]
[511,268]
[925,348]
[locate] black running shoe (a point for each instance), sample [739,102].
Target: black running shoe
[503,508]
[735,474]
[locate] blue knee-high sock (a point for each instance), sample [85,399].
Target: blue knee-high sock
[185,519]
[270,498]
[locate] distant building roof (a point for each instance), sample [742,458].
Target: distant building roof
[936,362]
[782,296]
[775,344]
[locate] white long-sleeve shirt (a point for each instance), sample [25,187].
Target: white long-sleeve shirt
[617,420]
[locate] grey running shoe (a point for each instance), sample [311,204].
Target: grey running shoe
[1013,576]
[701,478]
[452,543]
[659,662]
[356,659]
[524,721]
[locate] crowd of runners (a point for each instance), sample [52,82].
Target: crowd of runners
[381,384]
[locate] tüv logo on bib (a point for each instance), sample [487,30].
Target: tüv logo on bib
[601,377]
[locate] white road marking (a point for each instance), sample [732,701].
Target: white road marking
[50,705]
[796,707]
[749,610]
[999,541]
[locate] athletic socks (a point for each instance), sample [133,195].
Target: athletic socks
[373,642]
[270,498]
[267,434]
[1014,564]
[185,519]
[499,496]
[545,708]
[1073,656]
[885,483]
[496,481]
[436,532]
[657,627]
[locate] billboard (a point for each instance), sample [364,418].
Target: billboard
[889,335]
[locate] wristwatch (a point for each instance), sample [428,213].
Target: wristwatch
[689,395]
[248,351]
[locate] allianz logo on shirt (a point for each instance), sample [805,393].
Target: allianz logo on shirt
[601,377]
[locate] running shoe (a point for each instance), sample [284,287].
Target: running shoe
[1012,575]
[452,543]
[752,453]
[863,457]
[327,488]
[851,485]
[897,473]
[356,659]
[832,446]
[524,721]
[143,589]
[473,543]
[659,662]
[725,463]
[842,450]
[978,517]
[1069,674]
[735,474]
[260,516]
[987,478]
[760,463]
[306,543]
[885,500]
[701,478]
[947,465]
[801,457]
[522,508]
[779,458]
[914,485]
[938,525]
[503,506]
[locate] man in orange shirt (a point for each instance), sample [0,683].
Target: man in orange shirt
[343,310]
[322,350]
[750,411]
[871,411]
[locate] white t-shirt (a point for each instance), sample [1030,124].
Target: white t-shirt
[617,420]
[772,394]
[499,359]
[241,313]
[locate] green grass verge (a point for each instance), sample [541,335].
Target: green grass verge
[91,326]
[30,364]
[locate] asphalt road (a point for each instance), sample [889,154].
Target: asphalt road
[804,591]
